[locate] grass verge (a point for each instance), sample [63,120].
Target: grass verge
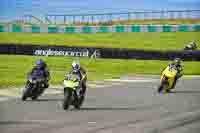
[13,69]
[147,41]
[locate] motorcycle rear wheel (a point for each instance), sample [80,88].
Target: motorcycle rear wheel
[34,97]
[79,102]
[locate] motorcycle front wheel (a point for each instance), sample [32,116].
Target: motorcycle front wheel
[67,98]
[163,86]
[26,92]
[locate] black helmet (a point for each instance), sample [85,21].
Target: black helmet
[177,61]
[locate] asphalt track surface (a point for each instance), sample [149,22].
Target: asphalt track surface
[121,108]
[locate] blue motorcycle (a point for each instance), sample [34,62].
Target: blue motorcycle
[34,87]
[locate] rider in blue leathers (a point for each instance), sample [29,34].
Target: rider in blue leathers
[42,66]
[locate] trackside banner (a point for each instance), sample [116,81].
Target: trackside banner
[53,52]
[37,50]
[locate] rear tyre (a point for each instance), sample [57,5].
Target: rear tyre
[79,102]
[168,91]
[67,98]
[77,106]
[79,99]
[34,97]
[37,93]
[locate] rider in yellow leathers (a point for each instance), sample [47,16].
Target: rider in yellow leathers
[176,65]
[77,69]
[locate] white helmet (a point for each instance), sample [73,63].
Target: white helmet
[75,66]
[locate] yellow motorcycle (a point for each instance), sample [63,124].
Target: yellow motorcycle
[72,92]
[167,79]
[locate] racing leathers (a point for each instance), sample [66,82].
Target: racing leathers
[179,74]
[45,73]
[191,46]
[83,76]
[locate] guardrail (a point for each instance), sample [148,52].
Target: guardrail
[99,29]
[110,17]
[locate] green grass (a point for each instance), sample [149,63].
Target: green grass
[13,69]
[147,41]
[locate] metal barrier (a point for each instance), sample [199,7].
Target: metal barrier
[111,17]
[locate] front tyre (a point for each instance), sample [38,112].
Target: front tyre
[24,95]
[163,86]
[67,98]
[26,92]
[160,88]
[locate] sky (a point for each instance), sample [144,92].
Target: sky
[10,9]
